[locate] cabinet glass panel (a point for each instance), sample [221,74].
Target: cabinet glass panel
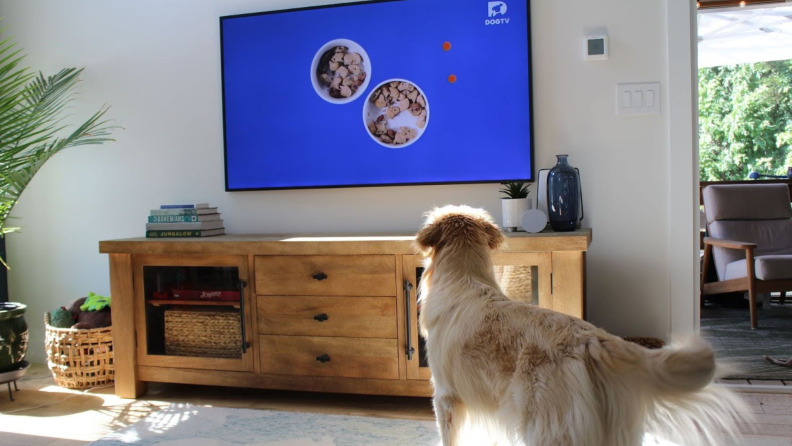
[193,311]
[523,277]
[519,282]
[423,360]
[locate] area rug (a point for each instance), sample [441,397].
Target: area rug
[729,332]
[185,425]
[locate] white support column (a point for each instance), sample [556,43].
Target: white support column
[683,202]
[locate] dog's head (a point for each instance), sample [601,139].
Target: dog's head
[458,226]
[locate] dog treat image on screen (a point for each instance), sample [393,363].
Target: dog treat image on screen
[396,113]
[341,72]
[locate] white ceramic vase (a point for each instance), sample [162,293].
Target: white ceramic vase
[513,210]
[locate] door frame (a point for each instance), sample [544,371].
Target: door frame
[683,168]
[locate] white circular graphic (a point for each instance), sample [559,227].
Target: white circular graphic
[340,71]
[396,113]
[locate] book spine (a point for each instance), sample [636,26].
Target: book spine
[155,234]
[193,226]
[172,218]
[156,212]
[177,206]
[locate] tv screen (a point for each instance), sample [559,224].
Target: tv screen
[393,92]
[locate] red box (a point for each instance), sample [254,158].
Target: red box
[205,295]
[160,295]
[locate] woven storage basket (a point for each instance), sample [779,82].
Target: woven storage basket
[515,281]
[79,359]
[203,332]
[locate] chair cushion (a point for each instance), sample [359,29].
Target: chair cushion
[766,268]
[747,202]
[772,237]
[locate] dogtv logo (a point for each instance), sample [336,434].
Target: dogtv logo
[495,9]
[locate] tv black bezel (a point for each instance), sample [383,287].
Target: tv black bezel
[345,186]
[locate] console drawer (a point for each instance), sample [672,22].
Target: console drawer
[343,357]
[352,317]
[366,275]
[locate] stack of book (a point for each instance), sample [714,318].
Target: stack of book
[184,220]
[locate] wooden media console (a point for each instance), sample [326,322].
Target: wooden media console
[321,313]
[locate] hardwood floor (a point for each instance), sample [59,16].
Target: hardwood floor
[47,415]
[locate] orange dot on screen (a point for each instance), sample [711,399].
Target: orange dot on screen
[447,46]
[452,78]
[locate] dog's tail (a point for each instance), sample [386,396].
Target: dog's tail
[672,387]
[687,409]
[683,369]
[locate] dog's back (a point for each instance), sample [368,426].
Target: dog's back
[548,379]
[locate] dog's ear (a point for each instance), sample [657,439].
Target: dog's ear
[429,236]
[494,235]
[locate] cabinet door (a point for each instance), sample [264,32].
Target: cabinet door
[193,312]
[524,277]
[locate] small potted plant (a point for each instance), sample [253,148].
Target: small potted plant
[514,204]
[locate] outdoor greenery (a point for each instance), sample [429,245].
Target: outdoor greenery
[33,109]
[745,117]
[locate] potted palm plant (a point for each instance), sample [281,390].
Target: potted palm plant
[32,130]
[514,204]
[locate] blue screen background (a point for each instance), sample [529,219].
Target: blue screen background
[281,134]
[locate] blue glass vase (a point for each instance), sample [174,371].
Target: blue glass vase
[563,196]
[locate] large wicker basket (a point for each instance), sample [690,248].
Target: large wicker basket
[79,359]
[202,332]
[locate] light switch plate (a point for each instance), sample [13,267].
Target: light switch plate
[638,99]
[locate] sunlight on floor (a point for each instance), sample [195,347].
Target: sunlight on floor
[158,423]
[60,410]
[344,238]
[163,421]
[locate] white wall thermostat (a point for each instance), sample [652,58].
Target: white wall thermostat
[596,48]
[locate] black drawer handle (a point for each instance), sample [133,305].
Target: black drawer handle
[323,358]
[321,317]
[320,277]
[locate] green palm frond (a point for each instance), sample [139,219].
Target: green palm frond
[32,129]
[515,189]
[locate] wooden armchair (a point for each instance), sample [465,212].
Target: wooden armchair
[750,243]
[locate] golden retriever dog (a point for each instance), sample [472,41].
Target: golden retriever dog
[542,378]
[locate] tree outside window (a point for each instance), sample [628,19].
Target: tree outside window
[745,118]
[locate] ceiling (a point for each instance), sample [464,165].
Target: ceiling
[744,35]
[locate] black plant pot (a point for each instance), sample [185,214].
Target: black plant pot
[13,335]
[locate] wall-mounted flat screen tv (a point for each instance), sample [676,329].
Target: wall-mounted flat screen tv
[394,92]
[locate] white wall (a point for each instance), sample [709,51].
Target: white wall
[158,64]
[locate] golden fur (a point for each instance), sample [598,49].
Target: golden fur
[540,377]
